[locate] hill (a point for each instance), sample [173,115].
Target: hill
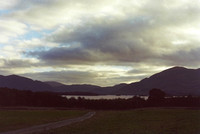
[23,83]
[74,88]
[173,81]
[85,88]
[54,83]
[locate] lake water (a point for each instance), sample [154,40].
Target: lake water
[98,97]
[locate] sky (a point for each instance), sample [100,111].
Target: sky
[100,42]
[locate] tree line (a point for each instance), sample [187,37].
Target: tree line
[13,97]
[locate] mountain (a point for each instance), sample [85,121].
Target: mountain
[111,89]
[58,87]
[173,81]
[54,83]
[23,83]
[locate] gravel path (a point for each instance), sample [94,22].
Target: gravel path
[48,126]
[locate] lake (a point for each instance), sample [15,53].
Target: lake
[98,97]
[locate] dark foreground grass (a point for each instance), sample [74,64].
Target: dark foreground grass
[143,121]
[16,119]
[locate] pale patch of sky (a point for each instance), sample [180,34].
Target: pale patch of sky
[44,69]
[2,12]
[31,34]
[180,42]
[36,33]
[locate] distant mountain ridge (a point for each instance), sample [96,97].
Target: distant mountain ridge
[23,83]
[173,81]
[54,83]
[59,87]
[76,88]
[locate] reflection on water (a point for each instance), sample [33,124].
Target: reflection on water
[98,97]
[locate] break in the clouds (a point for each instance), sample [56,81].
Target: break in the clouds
[97,42]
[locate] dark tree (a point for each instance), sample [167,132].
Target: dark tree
[156,97]
[156,94]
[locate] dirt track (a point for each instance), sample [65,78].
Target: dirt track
[44,127]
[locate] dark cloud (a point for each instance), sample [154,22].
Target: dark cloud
[62,54]
[130,40]
[183,57]
[120,41]
[142,32]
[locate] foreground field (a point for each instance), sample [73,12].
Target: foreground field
[141,121]
[16,119]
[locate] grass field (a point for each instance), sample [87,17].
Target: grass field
[141,121]
[15,119]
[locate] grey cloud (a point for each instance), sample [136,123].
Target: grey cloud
[183,57]
[18,63]
[136,38]
[23,4]
[143,34]
[172,13]
[4,72]
[119,41]
[124,40]
[64,56]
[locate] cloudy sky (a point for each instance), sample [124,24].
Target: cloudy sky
[102,42]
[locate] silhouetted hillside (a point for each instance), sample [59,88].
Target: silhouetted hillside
[111,89]
[85,88]
[22,83]
[75,88]
[54,83]
[173,81]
